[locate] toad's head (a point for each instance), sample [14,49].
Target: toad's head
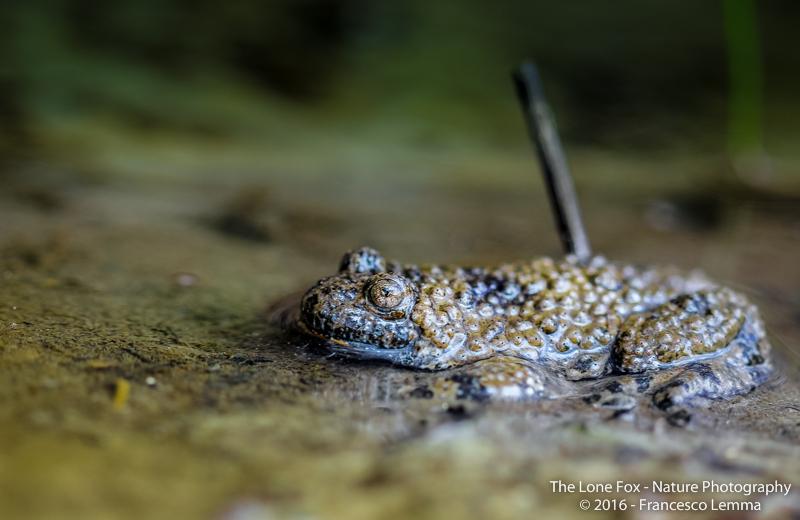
[364,310]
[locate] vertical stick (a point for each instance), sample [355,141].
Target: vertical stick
[560,187]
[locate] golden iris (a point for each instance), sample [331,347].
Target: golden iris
[386,292]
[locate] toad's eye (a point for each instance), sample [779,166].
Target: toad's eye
[388,292]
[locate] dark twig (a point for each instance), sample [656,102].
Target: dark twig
[560,187]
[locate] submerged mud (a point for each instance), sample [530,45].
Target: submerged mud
[139,371]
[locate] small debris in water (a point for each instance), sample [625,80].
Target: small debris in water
[122,390]
[150,381]
[185,279]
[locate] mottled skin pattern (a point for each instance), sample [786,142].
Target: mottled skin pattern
[543,323]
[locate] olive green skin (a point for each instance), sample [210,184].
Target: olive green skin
[576,321]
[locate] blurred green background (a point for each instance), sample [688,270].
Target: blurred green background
[80,76]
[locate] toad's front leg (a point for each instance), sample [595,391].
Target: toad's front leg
[501,378]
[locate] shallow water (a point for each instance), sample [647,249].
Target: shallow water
[140,371]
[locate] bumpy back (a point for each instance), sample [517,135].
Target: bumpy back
[559,313]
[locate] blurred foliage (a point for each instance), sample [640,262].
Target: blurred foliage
[744,58]
[630,73]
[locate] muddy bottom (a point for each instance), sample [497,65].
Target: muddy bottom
[140,376]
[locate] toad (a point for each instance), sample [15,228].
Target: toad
[540,324]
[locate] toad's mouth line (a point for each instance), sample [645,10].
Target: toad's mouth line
[359,350]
